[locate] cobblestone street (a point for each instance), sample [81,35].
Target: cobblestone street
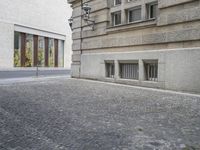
[62,114]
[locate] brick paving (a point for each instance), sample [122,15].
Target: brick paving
[71,114]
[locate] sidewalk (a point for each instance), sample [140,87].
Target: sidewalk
[9,81]
[32,68]
[10,73]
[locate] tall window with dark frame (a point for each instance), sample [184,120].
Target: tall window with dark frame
[152,10]
[41,51]
[117,2]
[17,49]
[60,53]
[134,14]
[51,52]
[110,69]
[30,51]
[116,18]
[151,70]
[129,71]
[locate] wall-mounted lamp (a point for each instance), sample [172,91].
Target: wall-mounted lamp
[70,20]
[87,9]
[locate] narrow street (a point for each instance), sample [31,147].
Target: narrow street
[71,114]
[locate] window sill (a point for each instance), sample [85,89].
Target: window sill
[130,1]
[134,22]
[109,77]
[117,25]
[150,19]
[123,79]
[117,5]
[132,25]
[152,82]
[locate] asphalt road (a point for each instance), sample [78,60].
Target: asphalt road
[32,73]
[71,114]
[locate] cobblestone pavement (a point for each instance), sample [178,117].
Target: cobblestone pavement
[62,114]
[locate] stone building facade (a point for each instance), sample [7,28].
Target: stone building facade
[34,33]
[139,42]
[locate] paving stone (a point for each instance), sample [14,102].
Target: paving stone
[71,114]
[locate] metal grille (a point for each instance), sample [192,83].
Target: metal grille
[129,71]
[110,70]
[151,71]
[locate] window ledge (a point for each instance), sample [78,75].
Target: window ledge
[123,79]
[116,5]
[118,25]
[132,26]
[151,82]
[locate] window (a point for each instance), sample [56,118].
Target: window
[116,18]
[110,69]
[41,51]
[117,2]
[129,70]
[51,54]
[152,10]
[151,70]
[29,51]
[134,14]
[61,53]
[17,49]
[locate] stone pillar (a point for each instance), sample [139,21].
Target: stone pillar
[144,12]
[161,70]
[123,12]
[141,71]
[116,70]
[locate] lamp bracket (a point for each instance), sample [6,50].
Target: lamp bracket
[90,23]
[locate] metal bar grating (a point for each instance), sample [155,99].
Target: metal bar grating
[151,71]
[129,71]
[110,70]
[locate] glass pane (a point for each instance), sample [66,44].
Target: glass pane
[41,51]
[116,2]
[61,53]
[117,18]
[154,9]
[29,51]
[17,49]
[51,53]
[130,16]
[137,15]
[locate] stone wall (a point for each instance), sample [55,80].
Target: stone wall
[178,69]
[177,27]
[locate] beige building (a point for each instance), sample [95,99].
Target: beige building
[139,42]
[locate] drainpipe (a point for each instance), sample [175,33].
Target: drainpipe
[81,38]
